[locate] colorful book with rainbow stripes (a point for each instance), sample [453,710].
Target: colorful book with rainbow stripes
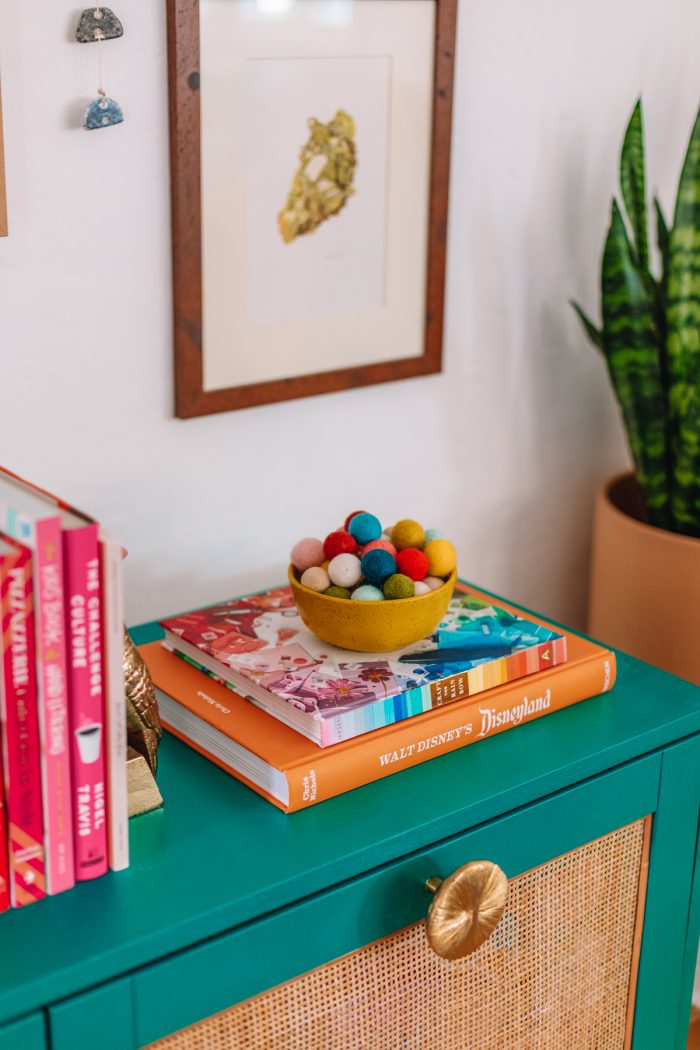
[259,646]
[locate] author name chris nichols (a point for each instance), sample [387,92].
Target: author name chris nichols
[491,720]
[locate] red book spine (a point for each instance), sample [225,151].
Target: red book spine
[20,725]
[4,856]
[83,603]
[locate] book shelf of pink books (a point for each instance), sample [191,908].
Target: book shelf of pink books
[63,797]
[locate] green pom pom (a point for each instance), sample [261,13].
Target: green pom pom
[399,586]
[337,592]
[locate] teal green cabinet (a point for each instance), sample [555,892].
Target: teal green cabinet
[27,1033]
[227,897]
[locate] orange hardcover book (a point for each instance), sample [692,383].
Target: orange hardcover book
[293,773]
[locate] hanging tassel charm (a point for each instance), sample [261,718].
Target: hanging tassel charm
[102,113]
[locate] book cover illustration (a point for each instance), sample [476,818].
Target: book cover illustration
[263,639]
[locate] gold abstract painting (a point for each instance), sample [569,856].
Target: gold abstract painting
[323,182]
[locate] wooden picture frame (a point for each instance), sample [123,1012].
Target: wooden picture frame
[3,189]
[192,398]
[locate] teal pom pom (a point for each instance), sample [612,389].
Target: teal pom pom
[433,534]
[399,586]
[377,565]
[365,528]
[367,593]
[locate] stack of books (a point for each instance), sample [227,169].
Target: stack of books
[247,685]
[63,793]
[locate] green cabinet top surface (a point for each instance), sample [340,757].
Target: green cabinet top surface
[218,855]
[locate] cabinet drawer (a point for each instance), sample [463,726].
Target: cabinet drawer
[26,1034]
[230,968]
[235,966]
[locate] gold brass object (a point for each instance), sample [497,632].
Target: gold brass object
[142,789]
[466,908]
[142,717]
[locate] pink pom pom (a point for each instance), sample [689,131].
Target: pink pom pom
[385,545]
[307,553]
[433,582]
[315,578]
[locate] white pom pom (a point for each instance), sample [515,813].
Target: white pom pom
[344,570]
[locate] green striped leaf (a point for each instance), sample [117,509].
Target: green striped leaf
[594,334]
[633,185]
[661,236]
[632,357]
[660,286]
[683,342]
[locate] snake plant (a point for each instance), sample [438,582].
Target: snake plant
[650,332]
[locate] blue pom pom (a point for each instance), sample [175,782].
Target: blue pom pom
[365,528]
[433,534]
[377,565]
[367,593]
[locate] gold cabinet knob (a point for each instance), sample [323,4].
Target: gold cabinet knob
[466,908]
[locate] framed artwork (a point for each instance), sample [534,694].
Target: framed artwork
[3,191]
[310,150]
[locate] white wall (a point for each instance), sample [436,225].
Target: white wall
[503,450]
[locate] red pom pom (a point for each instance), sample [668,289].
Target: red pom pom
[412,563]
[339,542]
[346,523]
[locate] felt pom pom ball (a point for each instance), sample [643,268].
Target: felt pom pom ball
[433,534]
[412,563]
[383,544]
[399,586]
[420,587]
[315,578]
[407,533]
[339,542]
[442,557]
[307,553]
[344,570]
[367,593]
[337,592]
[377,566]
[433,582]
[365,528]
[346,523]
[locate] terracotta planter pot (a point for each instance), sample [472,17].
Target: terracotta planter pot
[645,584]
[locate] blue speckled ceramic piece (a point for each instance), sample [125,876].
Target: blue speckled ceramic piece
[102,113]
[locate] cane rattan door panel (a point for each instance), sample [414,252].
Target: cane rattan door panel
[555,975]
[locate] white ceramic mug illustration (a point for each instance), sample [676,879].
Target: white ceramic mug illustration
[89,738]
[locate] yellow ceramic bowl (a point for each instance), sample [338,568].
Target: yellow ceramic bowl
[371,627]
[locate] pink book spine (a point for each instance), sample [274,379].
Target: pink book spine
[83,600]
[20,736]
[4,858]
[53,705]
